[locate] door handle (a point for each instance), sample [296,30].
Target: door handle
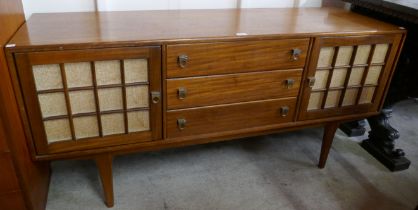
[155,97]
[311,81]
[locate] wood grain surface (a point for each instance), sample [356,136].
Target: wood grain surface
[88,29]
[232,57]
[33,177]
[25,61]
[236,70]
[229,117]
[232,88]
[395,42]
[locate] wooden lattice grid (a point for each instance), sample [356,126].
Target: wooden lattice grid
[347,75]
[93,99]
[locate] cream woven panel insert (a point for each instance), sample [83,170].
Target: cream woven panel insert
[340,65]
[110,89]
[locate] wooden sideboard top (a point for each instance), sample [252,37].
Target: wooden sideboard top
[152,27]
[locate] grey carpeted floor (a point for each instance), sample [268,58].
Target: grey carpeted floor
[268,172]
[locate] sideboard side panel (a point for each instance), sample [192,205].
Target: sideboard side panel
[33,176]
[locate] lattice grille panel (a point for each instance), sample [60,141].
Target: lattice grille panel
[47,77]
[52,104]
[344,56]
[347,75]
[78,74]
[325,57]
[138,121]
[93,99]
[321,78]
[57,130]
[350,97]
[85,127]
[110,99]
[136,70]
[113,124]
[137,97]
[315,100]
[362,55]
[356,76]
[333,98]
[367,95]
[82,101]
[338,78]
[380,53]
[108,72]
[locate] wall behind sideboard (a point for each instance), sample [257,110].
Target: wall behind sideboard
[43,6]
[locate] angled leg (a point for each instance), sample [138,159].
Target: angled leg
[329,132]
[104,165]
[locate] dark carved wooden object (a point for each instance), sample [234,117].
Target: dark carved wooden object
[354,128]
[381,142]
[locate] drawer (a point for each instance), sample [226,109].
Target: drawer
[219,118]
[221,89]
[230,57]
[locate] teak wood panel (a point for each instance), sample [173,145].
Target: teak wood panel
[233,57]
[117,28]
[24,63]
[14,200]
[3,144]
[393,42]
[33,176]
[221,89]
[229,117]
[8,176]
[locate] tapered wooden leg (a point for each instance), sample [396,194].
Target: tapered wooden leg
[329,132]
[104,165]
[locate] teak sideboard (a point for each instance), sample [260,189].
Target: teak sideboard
[96,85]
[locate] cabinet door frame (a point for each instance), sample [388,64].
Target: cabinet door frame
[394,41]
[33,116]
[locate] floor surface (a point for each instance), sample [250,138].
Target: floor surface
[268,172]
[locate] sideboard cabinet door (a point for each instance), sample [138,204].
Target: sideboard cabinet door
[85,99]
[348,75]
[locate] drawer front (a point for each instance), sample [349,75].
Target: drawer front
[221,89]
[229,117]
[230,57]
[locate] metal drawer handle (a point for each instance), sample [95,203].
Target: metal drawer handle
[181,123]
[182,60]
[290,83]
[284,111]
[155,97]
[296,53]
[182,93]
[311,81]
